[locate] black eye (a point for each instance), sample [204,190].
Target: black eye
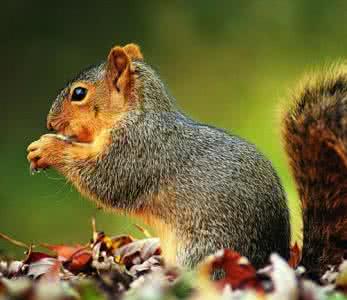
[79,94]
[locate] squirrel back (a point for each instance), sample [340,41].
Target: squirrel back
[315,139]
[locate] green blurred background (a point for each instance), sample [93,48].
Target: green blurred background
[228,63]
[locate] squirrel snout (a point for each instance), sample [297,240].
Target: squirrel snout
[49,126]
[52,124]
[56,124]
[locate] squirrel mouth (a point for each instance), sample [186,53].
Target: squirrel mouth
[61,136]
[69,138]
[68,135]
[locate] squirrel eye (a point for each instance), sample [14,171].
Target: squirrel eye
[78,94]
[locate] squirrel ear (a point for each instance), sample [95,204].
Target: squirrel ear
[133,51]
[118,68]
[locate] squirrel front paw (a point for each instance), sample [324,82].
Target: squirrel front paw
[46,152]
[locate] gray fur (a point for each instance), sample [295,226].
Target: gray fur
[221,192]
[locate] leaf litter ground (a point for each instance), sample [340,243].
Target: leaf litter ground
[122,267]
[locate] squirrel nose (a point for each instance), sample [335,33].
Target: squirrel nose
[50,125]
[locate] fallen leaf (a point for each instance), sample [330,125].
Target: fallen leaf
[118,241]
[148,265]
[295,256]
[41,267]
[78,261]
[283,278]
[53,273]
[239,273]
[64,252]
[36,256]
[17,288]
[138,251]
[14,268]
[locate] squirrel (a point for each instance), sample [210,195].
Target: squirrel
[120,139]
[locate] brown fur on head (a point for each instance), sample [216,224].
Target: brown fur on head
[97,98]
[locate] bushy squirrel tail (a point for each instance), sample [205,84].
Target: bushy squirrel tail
[315,139]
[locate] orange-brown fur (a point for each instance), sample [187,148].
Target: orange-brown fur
[102,107]
[133,51]
[88,122]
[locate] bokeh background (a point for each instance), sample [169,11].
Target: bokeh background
[228,63]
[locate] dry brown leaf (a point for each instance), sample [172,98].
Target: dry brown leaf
[295,256]
[63,252]
[42,266]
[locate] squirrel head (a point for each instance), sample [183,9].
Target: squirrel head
[98,96]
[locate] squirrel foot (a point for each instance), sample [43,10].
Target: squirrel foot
[46,151]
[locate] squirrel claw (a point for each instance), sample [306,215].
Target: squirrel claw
[34,170]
